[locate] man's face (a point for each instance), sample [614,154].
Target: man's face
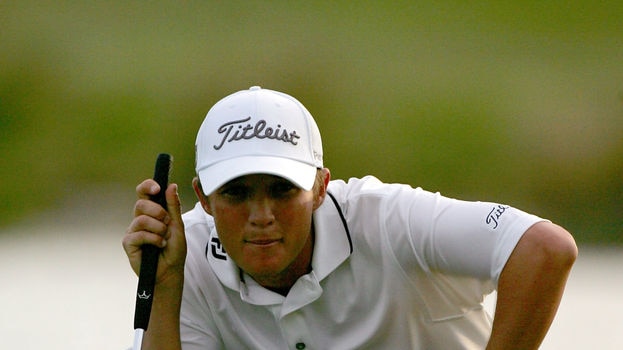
[264,223]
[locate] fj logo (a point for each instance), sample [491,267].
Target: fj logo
[217,250]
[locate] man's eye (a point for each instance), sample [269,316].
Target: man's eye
[235,192]
[283,189]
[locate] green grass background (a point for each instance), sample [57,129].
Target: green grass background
[519,102]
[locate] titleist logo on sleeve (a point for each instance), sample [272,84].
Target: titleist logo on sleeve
[494,215]
[237,130]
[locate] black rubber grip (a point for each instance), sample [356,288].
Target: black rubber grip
[150,253]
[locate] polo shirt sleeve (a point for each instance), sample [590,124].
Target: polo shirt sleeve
[451,252]
[452,236]
[433,233]
[197,326]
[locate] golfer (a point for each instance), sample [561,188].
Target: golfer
[276,255]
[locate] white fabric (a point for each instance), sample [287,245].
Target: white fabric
[408,271]
[258,131]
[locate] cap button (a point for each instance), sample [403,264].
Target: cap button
[253,88]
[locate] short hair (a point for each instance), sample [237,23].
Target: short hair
[319,182]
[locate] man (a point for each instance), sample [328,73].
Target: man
[276,256]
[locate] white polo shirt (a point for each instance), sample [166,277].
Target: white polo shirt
[394,267]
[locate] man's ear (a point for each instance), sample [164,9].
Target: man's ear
[203,199]
[322,190]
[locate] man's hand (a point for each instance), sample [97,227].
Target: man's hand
[152,224]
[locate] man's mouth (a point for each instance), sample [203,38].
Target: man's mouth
[263,242]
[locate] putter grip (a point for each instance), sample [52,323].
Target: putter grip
[150,253]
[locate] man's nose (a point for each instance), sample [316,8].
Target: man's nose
[261,211]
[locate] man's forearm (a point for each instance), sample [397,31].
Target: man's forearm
[531,287]
[163,332]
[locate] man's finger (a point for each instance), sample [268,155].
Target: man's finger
[147,188]
[150,208]
[173,203]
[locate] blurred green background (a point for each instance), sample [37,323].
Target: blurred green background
[518,102]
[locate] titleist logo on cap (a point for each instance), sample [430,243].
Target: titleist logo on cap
[237,130]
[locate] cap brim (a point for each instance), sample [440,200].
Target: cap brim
[301,174]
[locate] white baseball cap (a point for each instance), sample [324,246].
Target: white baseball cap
[258,131]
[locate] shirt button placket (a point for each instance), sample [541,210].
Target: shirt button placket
[295,330]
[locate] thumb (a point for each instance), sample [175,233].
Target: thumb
[175,251]
[174,207]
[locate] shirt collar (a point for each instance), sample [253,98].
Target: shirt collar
[332,243]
